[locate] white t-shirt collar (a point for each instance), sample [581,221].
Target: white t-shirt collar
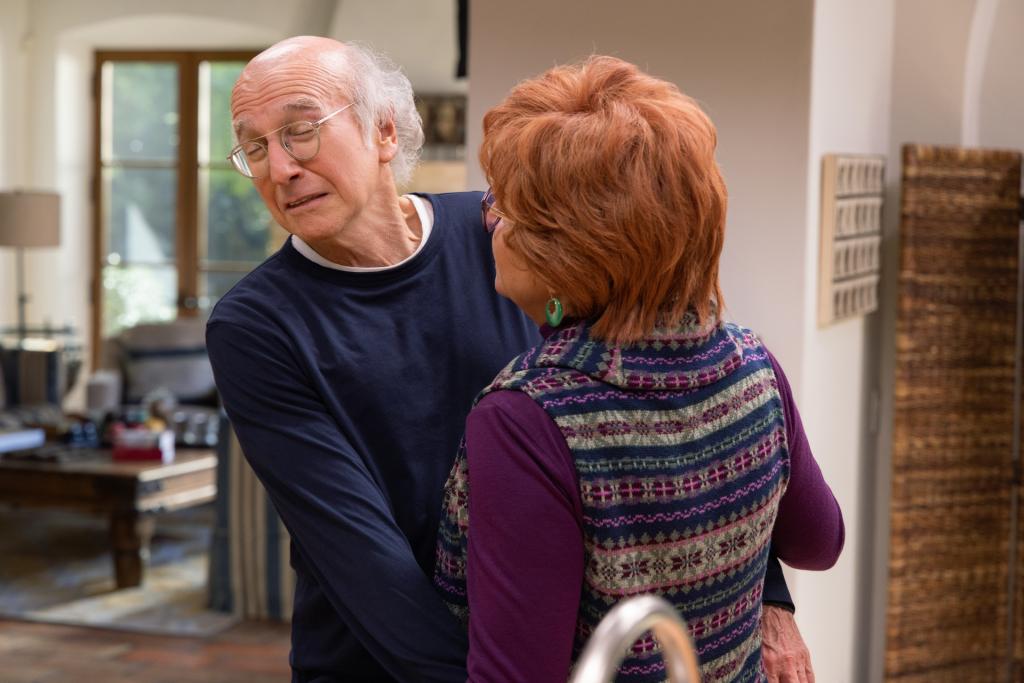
[426,221]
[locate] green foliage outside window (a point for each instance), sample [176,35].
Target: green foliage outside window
[140,193]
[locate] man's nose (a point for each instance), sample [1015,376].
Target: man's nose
[281,165]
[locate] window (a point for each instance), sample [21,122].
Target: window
[175,226]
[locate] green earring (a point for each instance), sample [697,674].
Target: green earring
[553,312]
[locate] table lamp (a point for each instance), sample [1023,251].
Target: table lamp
[28,219]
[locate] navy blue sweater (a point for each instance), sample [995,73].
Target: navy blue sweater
[348,393]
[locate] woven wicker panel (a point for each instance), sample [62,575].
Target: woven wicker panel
[953,416]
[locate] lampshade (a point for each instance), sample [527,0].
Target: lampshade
[29,219]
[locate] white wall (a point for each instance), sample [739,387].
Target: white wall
[13,60]
[747,63]
[13,117]
[850,100]
[1001,95]
[418,35]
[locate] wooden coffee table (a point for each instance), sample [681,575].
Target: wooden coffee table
[129,493]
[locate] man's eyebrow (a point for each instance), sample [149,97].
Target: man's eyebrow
[303,104]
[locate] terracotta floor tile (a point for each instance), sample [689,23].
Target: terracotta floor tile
[43,653]
[171,658]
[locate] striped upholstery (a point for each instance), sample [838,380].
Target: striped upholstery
[170,355]
[35,377]
[250,572]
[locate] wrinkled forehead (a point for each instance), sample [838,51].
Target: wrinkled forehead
[269,95]
[250,124]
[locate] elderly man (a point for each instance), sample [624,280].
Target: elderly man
[348,360]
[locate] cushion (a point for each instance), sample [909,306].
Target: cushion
[169,356]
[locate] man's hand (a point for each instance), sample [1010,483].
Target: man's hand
[786,658]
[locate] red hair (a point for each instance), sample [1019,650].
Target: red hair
[608,181]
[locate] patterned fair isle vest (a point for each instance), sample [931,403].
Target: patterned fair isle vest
[680,448]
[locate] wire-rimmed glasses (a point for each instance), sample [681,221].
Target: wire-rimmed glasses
[301,139]
[491,216]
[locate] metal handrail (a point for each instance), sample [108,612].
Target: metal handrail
[622,626]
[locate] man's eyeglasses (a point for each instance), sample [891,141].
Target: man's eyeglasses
[488,213]
[301,139]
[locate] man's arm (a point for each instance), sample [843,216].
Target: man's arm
[337,514]
[786,658]
[776,592]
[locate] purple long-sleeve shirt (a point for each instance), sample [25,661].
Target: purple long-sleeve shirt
[524,588]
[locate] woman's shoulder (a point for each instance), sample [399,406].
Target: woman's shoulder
[746,336]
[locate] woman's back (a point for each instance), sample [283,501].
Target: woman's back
[679,447]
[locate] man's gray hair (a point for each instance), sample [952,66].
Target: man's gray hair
[381,92]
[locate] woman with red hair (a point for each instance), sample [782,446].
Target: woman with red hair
[646,445]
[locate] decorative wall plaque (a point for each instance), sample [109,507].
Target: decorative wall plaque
[851,234]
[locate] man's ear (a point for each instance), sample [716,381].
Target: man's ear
[387,141]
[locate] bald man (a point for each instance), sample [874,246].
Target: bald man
[348,360]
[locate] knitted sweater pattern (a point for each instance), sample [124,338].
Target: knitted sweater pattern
[679,444]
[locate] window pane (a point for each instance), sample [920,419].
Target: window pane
[142,111]
[138,294]
[238,223]
[141,214]
[222,77]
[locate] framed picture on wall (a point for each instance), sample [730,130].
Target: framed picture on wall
[444,120]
